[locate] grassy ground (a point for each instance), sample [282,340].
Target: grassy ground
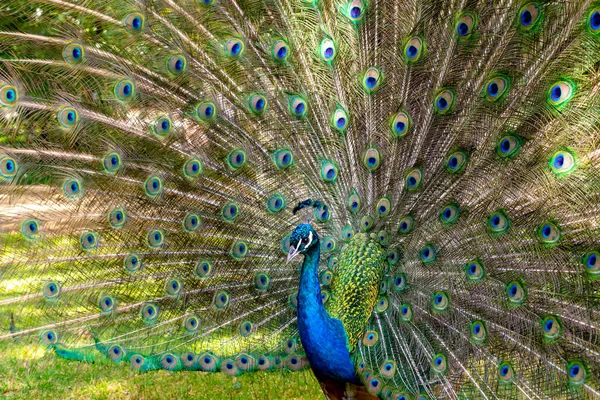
[28,371]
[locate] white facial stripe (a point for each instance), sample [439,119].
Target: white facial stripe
[310,238]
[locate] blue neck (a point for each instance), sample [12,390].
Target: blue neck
[323,338]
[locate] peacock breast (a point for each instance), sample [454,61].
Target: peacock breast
[356,283]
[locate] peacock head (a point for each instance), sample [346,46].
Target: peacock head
[303,239]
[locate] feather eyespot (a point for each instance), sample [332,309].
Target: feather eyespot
[134,22]
[257,103]
[414,49]
[563,163]
[155,238]
[205,111]
[475,271]
[177,64]
[233,48]
[73,53]
[560,93]
[9,95]
[327,50]
[339,119]
[467,22]
[280,51]
[117,217]
[133,263]
[401,124]
[529,15]
[193,168]
[371,79]
[124,90]
[594,21]
[383,207]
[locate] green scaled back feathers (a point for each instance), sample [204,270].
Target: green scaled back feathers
[152,153]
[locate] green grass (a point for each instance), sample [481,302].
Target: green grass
[28,371]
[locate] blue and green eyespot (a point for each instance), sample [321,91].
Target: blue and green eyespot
[549,233]
[478,332]
[456,162]
[347,233]
[339,119]
[440,301]
[233,48]
[529,15]
[413,178]
[206,111]
[329,171]
[230,211]
[205,3]
[8,167]
[371,79]
[414,49]
[124,90]
[370,338]
[239,249]
[428,253]
[221,299]
[506,373]
[354,202]
[366,223]
[192,222]
[73,53]
[191,324]
[444,101]
[327,50]
[355,10]
[563,162]
[450,214]
[275,203]
[236,159]
[134,22]
[388,369]
[177,64]
[383,207]
[498,222]
[117,217]
[162,126]
[516,293]
[593,20]
[496,87]
[439,363]
[107,303]
[400,124]
[49,337]
[280,50]
[406,225]
[203,268]
[328,245]
[466,24]
[382,304]
[133,263]
[72,188]
[551,328]
[560,93]
[68,117]
[149,312]
[193,168]
[155,238]
[399,283]
[591,263]
[283,158]
[154,186]
[372,159]
[89,240]
[297,106]
[406,312]
[475,270]
[30,228]
[322,214]
[9,95]
[51,290]
[173,287]
[577,371]
[257,103]
[509,146]
[112,162]
[262,280]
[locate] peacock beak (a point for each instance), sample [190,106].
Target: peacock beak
[292,253]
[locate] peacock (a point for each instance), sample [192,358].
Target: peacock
[402,195]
